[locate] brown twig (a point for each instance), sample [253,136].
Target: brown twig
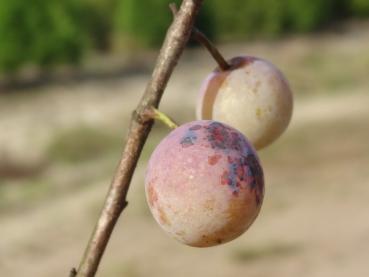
[174,44]
[201,38]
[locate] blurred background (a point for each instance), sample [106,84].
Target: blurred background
[72,71]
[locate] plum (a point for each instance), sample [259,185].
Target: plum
[252,96]
[204,183]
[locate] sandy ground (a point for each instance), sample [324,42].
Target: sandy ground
[314,221]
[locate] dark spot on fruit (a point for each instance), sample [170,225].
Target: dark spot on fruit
[224,138]
[163,217]
[224,178]
[257,182]
[212,160]
[195,128]
[242,172]
[153,197]
[189,138]
[217,135]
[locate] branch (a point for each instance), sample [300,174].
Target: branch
[201,38]
[174,44]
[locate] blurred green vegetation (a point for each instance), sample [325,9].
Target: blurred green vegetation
[144,23]
[83,143]
[54,32]
[271,250]
[40,32]
[359,7]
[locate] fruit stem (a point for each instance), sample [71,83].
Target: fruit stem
[201,38]
[204,41]
[158,115]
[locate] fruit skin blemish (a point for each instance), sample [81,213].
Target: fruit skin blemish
[204,183]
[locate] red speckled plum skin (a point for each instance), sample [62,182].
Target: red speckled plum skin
[204,183]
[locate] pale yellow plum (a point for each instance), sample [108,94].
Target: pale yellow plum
[204,183]
[252,96]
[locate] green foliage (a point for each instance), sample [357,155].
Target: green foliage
[308,15]
[233,19]
[98,22]
[44,32]
[242,19]
[52,32]
[145,22]
[360,7]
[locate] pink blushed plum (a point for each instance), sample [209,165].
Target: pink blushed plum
[252,96]
[204,183]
